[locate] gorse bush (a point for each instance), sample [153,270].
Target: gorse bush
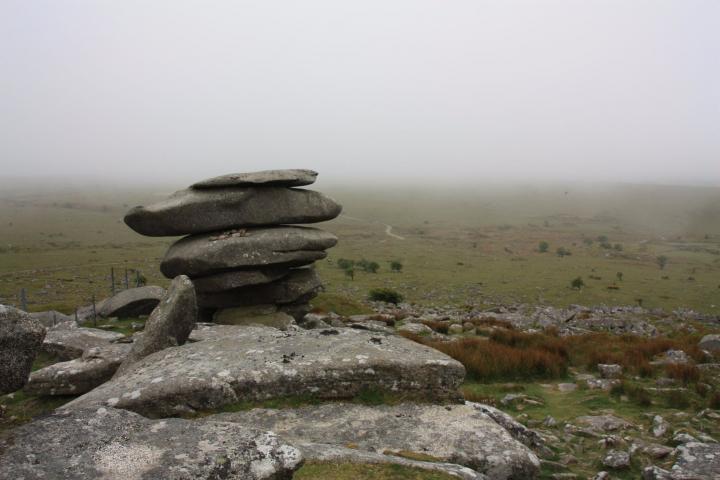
[385,295]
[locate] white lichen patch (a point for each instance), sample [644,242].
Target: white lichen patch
[127,462]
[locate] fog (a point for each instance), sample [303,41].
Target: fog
[457,91]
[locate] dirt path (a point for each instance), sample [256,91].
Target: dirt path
[388,228]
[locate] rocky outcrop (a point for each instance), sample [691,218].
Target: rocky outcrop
[194,210]
[20,341]
[67,341]
[710,343]
[456,434]
[106,443]
[240,249]
[257,363]
[75,377]
[132,302]
[169,324]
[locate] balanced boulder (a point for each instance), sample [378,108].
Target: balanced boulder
[20,341]
[238,278]
[207,254]
[195,211]
[169,324]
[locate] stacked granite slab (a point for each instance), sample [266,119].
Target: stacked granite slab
[243,247]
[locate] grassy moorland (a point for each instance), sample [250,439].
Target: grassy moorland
[457,246]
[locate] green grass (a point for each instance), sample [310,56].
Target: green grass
[358,471]
[462,246]
[21,408]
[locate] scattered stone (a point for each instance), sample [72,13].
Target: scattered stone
[313,321]
[567,387]
[610,370]
[656,473]
[617,459]
[415,328]
[455,329]
[519,432]
[660,426]
[108,443]
[697,460]
[672,357]
[275,178]
[137,326]
[20,340]
[605,384]
[605,423]
[550,422]
[195,211]
[51,318]
[710,343]
[684,438]
[169,324]
[68,341]
[656,451]
[75,377]
[132,302]
[602,476]
[459,434]
[259,363]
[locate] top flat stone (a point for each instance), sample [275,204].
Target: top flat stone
[277,178]
[194,211]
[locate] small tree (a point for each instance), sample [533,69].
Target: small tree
[577,283]
[662,261]
[396,266]
[543,246]
[618,247]
[368,266]
[563,252]
[619,276]
[344,263]
[588,241]
[385,295]
[350,273]
[602,238]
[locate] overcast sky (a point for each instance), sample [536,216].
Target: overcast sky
[456,90]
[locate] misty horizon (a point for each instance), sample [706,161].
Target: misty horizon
[408,92]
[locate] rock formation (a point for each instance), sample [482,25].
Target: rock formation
[242,248]
[20,339]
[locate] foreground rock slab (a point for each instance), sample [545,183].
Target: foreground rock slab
[75,377]
[117,444]
[458,434]
[169,324]
[66,341]
[277,178]
[258,363]
[195,211]
[20,341]
[133,302]
[201,255]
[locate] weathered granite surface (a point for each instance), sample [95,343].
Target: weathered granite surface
[20,339]
[257,363]
[113,444]
[459,434]
[277,178]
